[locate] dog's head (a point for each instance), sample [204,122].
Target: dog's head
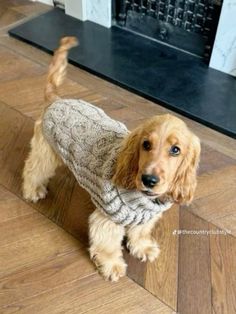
[160,158]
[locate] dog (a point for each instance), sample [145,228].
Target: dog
[133,177]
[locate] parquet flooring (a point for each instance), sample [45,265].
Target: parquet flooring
[43,269]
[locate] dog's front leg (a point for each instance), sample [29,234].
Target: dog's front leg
[105,246]
[140,241]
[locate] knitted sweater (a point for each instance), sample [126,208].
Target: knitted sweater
[88,142]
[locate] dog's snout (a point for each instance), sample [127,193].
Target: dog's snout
[150,180]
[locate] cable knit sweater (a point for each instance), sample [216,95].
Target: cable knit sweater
[88,142]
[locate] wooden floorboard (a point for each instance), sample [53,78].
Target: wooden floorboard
[13,67]
[35,250]
[223,269]
[216,198]
[194,284]
[30,94]
[47,275]
[16,131]
[12,207]
[212,160]
[227,223]
[9,15]
[10,230]
[89,295]
[161,276]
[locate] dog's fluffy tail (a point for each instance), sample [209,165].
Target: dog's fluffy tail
[57,68]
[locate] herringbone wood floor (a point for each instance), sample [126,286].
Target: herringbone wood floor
[45,270]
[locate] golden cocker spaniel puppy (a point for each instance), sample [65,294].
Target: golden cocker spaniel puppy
[132,176]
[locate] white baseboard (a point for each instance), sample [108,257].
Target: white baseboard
[50,2]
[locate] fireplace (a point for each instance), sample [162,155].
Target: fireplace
[189,25]
[153,49]
[203,28]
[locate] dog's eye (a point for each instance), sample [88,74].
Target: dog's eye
[147,145]
[174,150]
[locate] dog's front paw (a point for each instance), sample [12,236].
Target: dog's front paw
[144,249]
[35,194]
[113,271]
[110,268]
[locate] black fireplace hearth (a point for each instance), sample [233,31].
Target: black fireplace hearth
[177,80]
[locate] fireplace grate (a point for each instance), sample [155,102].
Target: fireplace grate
[165,19]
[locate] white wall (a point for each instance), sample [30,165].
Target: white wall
[76,8]
[223,57]
[99,11]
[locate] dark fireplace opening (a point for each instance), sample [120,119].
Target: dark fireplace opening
[189,25]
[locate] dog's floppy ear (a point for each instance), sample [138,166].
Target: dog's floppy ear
[185,182]
[127,163]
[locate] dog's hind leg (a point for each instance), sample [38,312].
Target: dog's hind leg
[39,167]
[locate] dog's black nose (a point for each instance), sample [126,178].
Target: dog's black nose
[149,180]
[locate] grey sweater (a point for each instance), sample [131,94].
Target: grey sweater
[88,142]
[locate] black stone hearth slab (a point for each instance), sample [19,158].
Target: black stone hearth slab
[176,80]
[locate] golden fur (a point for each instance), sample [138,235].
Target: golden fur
[177,175]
